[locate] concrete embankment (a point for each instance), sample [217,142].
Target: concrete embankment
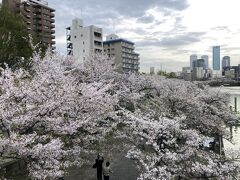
[13,168]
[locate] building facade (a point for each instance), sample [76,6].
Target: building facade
[225,61]
[232,72]
[152,70]
[83,41]
[186,73]
[198,71]
[216,58]
[193,57]
[38,17]
[125,58]
[206,63]
[199,63]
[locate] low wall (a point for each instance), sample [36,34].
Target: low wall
[13,169]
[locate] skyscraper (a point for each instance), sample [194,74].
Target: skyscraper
[38,17]
[225,61]
[199,63]
[193,57]
[206,65]
[216,58]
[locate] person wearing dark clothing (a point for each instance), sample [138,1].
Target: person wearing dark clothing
[106,171]
[98,165]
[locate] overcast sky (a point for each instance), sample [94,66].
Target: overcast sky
[166,32]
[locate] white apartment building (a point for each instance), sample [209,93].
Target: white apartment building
[83,41]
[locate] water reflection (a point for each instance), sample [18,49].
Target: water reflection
[234,93]
[235,130]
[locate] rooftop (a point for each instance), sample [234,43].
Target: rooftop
[118,40]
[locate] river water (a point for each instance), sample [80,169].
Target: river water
[235,131]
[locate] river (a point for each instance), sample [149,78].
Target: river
[235,131]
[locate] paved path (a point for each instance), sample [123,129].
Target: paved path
[123,169]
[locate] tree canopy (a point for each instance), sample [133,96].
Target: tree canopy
[55,117]
[15,46]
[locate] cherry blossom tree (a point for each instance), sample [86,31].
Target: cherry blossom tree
[57,113]
[170,127]
[47,115]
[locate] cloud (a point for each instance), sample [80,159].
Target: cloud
[146,19]
[220,28]
[132,8]
[174,41]
[182,40]
[162,26]
[165,64]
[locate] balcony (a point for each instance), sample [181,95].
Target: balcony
[27,9]
[70,52]
[98,43]
[129,46]
[38,10]
[70,45]
[38,16]
[39,28]
[68,38]
[97,35]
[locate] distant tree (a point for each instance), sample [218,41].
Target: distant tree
[168,75]
[15,46]
[161,73]
[171,75]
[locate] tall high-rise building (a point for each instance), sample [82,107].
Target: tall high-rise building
[216,58]
[193,57]
[38,17]
[126,59]
[83,41]
[206,65]
[152,71]
[225,61]
[199,63]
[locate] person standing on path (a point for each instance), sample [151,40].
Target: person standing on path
[106,171]
[98,165]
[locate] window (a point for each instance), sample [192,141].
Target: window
[81,35]
[84,50]
[75,37]
[83,42]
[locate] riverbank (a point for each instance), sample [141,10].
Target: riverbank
[14,169]
[224,83]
